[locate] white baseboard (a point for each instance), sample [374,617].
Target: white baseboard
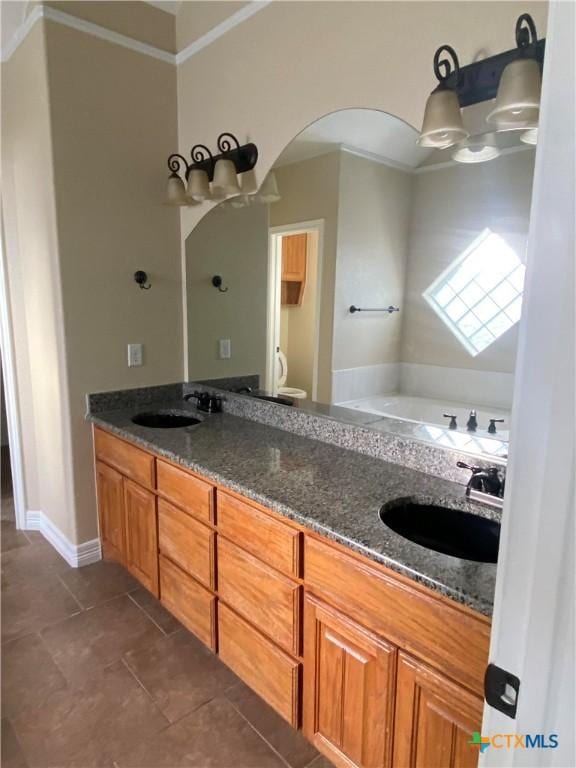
[76,555]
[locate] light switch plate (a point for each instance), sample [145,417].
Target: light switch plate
[135,354]
[224,349]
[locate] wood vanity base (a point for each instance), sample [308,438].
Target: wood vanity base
[379,671]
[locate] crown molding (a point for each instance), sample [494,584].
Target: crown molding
[221,29]
[88,27]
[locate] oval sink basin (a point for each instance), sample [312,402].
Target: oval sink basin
[164,420]
[449,531]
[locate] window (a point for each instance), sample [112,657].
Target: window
[479,296]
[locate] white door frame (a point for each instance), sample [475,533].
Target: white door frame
[273,301]
[10,389]
[533,634]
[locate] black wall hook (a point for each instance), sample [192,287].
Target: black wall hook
[141,278]
[217,283]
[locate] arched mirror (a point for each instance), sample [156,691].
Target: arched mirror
[370,279]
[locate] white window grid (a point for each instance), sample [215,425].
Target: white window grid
[479,296]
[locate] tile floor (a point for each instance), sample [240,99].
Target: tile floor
[96,673]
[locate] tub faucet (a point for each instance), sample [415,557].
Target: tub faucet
[472,423]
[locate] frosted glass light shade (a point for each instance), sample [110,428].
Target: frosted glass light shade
[175,191]
[225,183]
[476,149]
[269,192]
[518,99]
[530,136]
[442,125]
[198,188]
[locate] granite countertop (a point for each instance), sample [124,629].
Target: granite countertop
[332,490]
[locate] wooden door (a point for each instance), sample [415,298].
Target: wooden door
[110,511]
[141,535]
[349,683]
[435,719]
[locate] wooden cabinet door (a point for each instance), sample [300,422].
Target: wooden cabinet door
[294,257]
[141,535]
[435,719]
[349,683]
[110,511]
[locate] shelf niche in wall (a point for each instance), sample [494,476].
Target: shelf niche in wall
[293,281]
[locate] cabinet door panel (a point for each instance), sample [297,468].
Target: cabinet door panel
[110,511]
[141,535]
[435,719]
[349,676]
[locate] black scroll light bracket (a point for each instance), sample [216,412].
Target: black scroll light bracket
[141,278]
[217,283]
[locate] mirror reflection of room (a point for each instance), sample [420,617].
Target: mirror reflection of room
[366,218]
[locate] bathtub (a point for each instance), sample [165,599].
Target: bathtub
[424,410]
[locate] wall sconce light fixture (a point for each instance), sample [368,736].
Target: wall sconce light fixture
[513,78]
[208,176]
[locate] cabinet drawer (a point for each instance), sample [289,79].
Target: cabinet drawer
[187,542]
[451,638]
[259,533]
[189,602]
[130,461]
[264,667]
[267,599]
[189,492]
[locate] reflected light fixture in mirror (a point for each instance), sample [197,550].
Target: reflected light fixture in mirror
[476,149]
[442,126]
[269,192]
[530,136]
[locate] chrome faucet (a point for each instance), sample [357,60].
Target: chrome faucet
[486,484]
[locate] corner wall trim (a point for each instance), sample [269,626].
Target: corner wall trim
[76,555]
[220,29]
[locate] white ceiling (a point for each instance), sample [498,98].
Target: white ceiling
[367,131]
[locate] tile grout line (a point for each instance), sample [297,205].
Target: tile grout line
[264,739]
[72,595]
[148,616]
[146,691]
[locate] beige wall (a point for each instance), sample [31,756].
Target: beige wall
[112,129]
[451,207]
[309,192]
[34,283]
[87,126]
[232,243]
[298,326]
[374,209]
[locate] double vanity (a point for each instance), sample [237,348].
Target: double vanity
[296,561]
